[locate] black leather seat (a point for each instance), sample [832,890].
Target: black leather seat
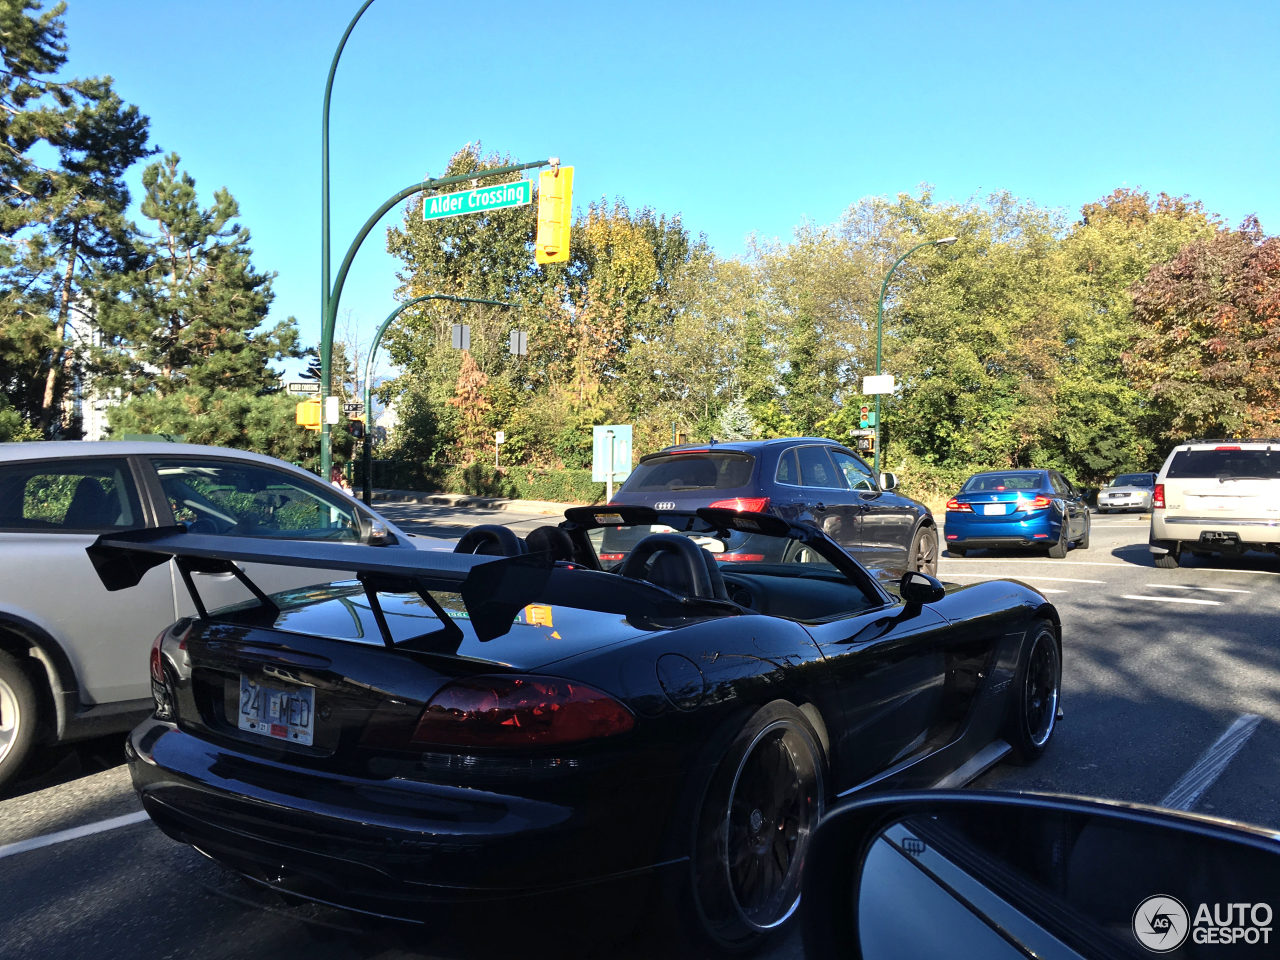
[490,540]
[91,506]
[675,563]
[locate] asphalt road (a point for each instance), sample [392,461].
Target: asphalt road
[1158,665]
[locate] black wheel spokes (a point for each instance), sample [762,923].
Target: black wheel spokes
[1041,703]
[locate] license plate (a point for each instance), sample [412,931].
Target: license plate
[283,712]
[993,509]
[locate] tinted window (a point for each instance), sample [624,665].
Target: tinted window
[788,472]
[691,471]
[251,500]
[68,495]
[1134,480]
[816,468]
[1002,481]
[855,472]
[1206,464]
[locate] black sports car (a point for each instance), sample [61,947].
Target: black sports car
[519,721]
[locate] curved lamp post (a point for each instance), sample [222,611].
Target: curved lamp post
[368,368]
[944,242]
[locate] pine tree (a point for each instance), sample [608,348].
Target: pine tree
[187,313]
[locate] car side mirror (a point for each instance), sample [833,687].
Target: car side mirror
[888,481]
[376,533]
[919,588]
[967,874]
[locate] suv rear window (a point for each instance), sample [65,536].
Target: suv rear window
[691,471]
[1215,464]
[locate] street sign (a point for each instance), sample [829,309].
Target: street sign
[353,406]
[518,343]
[856,432]
[880,383]
[302,386]
[610,453]
[462,336]
[517,193]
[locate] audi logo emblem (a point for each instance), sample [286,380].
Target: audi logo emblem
[665,505]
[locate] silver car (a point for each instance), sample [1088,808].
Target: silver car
[73,657]
[1129,491]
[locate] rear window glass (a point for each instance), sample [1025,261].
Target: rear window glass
[94,494]
[692,471]
[1003,481]
[1219,464]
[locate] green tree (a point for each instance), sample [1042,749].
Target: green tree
[66,223]
[189,310]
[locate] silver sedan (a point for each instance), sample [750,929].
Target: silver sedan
[1129,491]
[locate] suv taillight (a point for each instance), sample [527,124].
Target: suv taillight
[749,504]
[502,711]
[1157,497]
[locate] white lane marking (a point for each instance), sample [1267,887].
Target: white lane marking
[74,833]
[1193,600]
[1179,586]
[1023,576]
[1191,787]
[1100,563]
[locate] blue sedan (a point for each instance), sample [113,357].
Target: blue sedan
[1017,508]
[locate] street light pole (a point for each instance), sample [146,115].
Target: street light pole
[368,371]
[944,242]
[326,331]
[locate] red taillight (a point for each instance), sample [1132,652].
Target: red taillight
[611,556]
[740,557]
[1040,502]
[1157,497]
[157,666]
[749,504]
[1226,448]
[519,712]
[958,506]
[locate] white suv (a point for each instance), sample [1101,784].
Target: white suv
[1217,497]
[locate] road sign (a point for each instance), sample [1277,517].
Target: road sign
[353,406]
[302,386]
[518,343]
[880,383]
[517,193]
[461,336]
[610,453]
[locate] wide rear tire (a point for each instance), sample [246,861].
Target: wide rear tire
[753,830]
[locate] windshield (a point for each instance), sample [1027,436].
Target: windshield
[1134,480]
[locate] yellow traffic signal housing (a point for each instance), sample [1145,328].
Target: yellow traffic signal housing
[555,212]
[308,414]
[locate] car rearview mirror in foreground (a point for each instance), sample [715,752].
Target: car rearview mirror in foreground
[990,876]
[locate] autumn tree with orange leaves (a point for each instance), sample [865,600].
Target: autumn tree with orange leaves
[1208,353]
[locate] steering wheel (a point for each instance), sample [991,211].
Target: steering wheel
[677,564]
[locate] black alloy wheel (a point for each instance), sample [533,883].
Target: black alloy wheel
[754,829]
[924,551]
[1037,691]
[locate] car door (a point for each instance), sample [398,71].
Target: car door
[248,498]
[1073,504]
[888,520]
[889,666]
[50,511]
[832,506]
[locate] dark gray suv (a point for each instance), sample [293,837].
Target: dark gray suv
[807,479]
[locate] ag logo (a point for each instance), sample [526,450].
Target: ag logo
[1161,923]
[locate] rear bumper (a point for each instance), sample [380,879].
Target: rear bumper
[1134,502]
[391,848]
[1038,531]
[1170,534]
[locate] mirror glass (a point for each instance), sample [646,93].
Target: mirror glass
[1009,881]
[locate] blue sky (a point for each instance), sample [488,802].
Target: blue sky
[745,118]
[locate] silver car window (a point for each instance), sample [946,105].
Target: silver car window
[94,494]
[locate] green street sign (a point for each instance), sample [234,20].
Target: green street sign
[517,193]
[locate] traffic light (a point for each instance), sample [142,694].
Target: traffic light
[867,416]
[866,445]
[356,426]
[555,212]
[308,414]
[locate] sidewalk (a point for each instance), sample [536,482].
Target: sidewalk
[466,502]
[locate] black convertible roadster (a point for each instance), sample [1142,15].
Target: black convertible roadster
[518,719]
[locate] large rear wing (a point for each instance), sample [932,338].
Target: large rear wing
[493,589]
